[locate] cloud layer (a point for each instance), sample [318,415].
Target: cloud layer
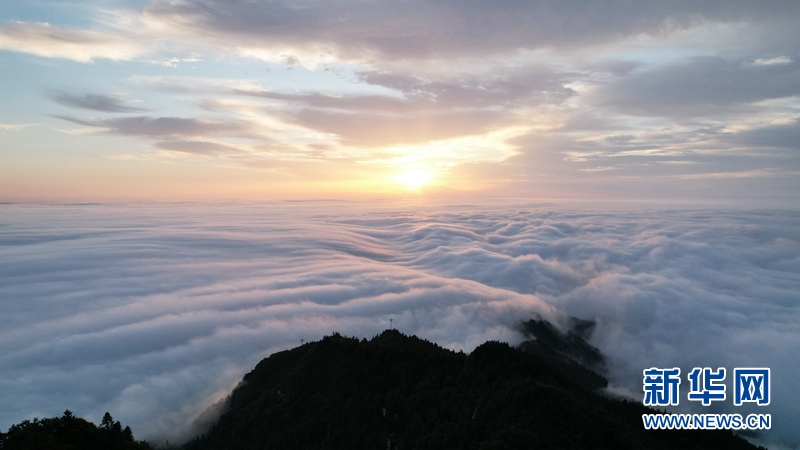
[577,99]
[448,29]
[154,311]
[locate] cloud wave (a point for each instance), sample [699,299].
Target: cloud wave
[154,311]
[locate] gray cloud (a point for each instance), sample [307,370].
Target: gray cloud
[780,136]
[701,86]
[168,127]
[591,156]
[365,103]
[95,102]
[418,29]
[507,88]
[154,311]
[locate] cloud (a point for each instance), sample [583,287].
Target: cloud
[168,127]
[13,127]
[423,110]
[423,113]
[449,29]
[43,39]
[772,61]
[313,31]
[528,86]
[428,110]
[700,86]
[131,339]
[194,85]
[632,89]
[381,130]
[200,147]
[154,311]
[786,135]
[94,102]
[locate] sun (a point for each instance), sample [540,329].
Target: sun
[414,178]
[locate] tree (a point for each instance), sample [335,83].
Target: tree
[107,422]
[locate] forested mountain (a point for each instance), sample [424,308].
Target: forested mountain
[69,432]
[401,392]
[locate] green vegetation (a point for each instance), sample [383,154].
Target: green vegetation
[70,433]
[401,392]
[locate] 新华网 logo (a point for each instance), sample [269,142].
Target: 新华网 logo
[750,385]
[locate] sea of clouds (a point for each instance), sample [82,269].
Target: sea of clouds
[154,311]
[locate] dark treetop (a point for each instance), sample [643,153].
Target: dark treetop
[70,433]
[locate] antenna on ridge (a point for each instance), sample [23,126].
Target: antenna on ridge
[390,323]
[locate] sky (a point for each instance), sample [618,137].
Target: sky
[263,100]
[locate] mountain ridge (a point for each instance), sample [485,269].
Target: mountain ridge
[396,392]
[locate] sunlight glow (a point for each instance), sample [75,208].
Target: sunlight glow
[415,177]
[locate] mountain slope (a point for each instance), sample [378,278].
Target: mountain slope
[401,392]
